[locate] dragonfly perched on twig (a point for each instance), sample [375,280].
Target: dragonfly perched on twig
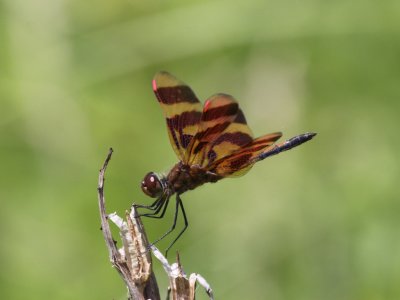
[212,142]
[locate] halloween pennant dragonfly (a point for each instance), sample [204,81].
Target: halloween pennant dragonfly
[212,142]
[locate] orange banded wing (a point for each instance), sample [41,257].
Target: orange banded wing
[181,108]
[219,112]
[235,136]
[240,161]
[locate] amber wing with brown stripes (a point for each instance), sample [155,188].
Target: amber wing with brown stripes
[182,110]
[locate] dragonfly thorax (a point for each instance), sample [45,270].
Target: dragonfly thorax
[184,177]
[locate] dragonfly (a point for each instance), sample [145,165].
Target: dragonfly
[212,142]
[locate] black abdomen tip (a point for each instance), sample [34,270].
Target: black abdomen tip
[309,135]
[297,140]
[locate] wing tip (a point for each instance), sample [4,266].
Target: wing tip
[165,79]
[162,73]
[225,96]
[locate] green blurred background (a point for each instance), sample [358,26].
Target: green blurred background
[319,222]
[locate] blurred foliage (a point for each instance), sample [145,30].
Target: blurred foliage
[319,222]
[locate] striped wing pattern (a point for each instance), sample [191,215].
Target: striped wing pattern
[218,114]
[181,108]
[215,137]
[240,161]
[234,137]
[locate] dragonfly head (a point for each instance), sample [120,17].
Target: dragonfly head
[151,185]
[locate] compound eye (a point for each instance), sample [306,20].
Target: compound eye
[151,185]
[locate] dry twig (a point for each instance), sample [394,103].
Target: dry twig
[132,263]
